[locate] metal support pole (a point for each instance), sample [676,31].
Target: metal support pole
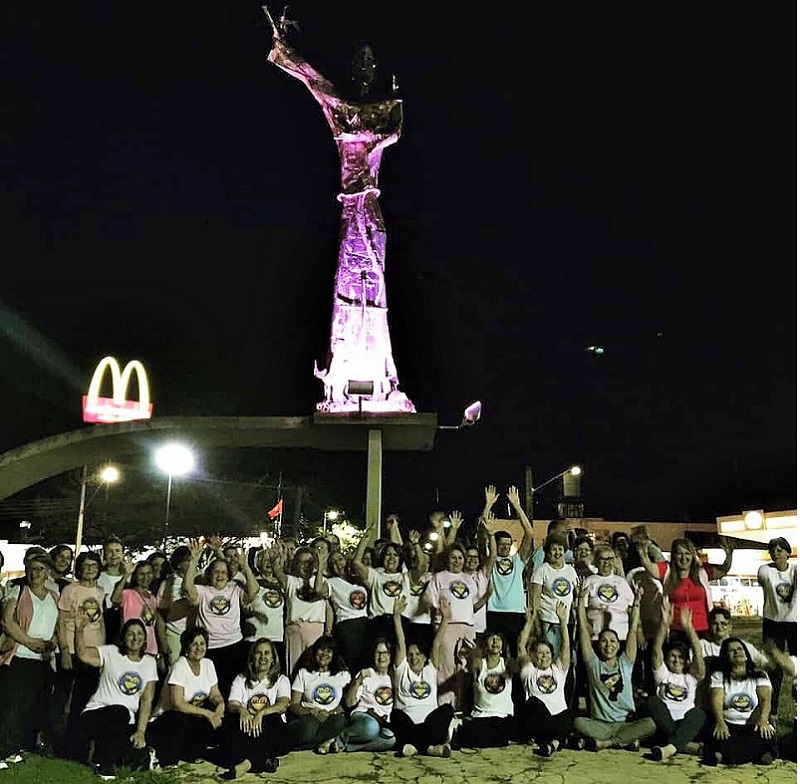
[374,480]
[529,493]
[166,519]
[81,510]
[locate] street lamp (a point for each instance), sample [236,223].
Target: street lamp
[574,470]
[173,460]
[472,413]
[330,516]
[108,475]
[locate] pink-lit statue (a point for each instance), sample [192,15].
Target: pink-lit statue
[361,374]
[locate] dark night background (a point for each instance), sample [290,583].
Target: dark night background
[581,175]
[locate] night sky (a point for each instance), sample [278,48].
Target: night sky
[589,174]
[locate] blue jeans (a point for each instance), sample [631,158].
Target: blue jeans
[365,733]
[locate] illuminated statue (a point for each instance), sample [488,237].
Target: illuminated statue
[361,374]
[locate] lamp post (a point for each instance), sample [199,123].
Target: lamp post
[108,475]
[173,460]
[574,470]
[330,515]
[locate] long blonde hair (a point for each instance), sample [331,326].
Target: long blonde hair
[673,579]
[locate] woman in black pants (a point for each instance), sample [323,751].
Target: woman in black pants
[419,723]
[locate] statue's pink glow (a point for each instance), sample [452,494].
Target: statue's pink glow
[361,374]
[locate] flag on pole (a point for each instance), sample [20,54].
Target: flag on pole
[276,510]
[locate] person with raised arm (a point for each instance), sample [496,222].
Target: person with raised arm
[219,611]
[419,722]
[611,723]
[676,674]
[348,601]
[545,716]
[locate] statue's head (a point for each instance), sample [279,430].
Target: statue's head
[363,67]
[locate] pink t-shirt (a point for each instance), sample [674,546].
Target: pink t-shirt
[134,605]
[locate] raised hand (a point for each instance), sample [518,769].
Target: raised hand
[456,519]
[490,493]
[413,536]
[686,618]
[399,605]
[561,611]
[513,496]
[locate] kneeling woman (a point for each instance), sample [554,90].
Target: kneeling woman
[740,701]
[418,721]
[124,694]
[317,691]
[545,716]
[255,729]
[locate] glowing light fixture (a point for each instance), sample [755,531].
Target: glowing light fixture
[754,519]
[575,470]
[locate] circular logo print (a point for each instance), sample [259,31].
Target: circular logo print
[129,682]
[384,695]
[608,592]
[494,683]
[91,609]
[258,702]
[561,586]
[273,598]
[358,600]
[459,589]
[219,605]
[546,684]
[420,690]
[392,588]
[324,694]
[504,566]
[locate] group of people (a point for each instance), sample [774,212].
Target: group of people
[207,652]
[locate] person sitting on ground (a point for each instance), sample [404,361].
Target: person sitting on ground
[318,688]
[740,703]
[255,732]
[676,675]
[418,721]
[611,723]
[545,716]
[191,709]
[370,698]
[116,716]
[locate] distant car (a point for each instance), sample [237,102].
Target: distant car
[741,594]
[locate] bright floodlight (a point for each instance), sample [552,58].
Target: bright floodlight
[576,470]
[175,459]
[332,514]
[753,520]
[110,474]
[472,413]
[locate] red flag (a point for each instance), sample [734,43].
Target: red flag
[276,510]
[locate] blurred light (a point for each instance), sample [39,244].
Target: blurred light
[25,524]
[110,474]
[576,470]
[433,536]
[175,459]
[753,520]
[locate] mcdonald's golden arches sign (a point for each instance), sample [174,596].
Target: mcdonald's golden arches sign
[117,408]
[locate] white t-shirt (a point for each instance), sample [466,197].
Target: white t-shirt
[321,689]
[711,648]
[268,620]
[107,582]
[460,589]
[179,625]
[260,695]
[740,697]
[375,694]
[608,596]
[384,587]
[298,609]
[676,691]
[780,594]
[196,688]
[481,585]
[558,585]
[43,622]
[491,691]
[220,612]
[546,685]
[122,680]
[415,695]
[414,591]
[349,600]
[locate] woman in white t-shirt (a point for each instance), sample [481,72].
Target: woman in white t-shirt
[317,705]
[370,698]
[266,613]
[545,716]
[255,729]
[192,706]
[348,602]
[676,676]
[609,596]
[740,703]
[117,713]
[418,721]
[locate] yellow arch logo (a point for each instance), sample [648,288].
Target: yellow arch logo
[116,408]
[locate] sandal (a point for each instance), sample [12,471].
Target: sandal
[323,748]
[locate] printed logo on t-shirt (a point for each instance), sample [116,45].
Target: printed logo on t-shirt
[198,698]
[258,702]
[129,682]
[504,566]
[742,702]
[384,695]
[459,589]
[677,692]
[273,598]
[219,605]
[392,588]
[784,592]
[614,683]
[418,589]
[608,592]
[91,609]
[358,600]
[324,694]
[148,616]
[546,683]
[561,586]
[494,683]
[420,690]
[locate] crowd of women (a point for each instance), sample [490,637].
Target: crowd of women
[206,652]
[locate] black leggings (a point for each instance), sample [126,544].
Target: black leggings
[275,740]
[432,731]
[110,728]
[785,636]
[539,725]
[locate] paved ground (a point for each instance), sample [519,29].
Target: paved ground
[512,765]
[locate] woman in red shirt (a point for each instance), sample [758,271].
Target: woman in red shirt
[686,581]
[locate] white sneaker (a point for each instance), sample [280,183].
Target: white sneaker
[455,723]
